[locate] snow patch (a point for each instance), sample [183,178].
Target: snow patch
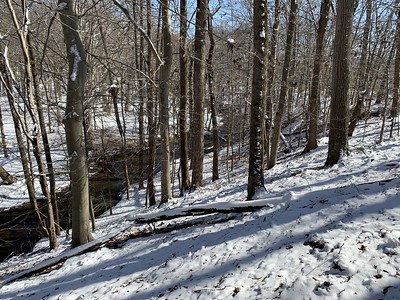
[77,59]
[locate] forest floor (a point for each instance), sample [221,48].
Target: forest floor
[323,233]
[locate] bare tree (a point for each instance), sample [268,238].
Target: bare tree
[165,72]
[257,123]
[183,111]
[276,132]
[210,76]
[199,68]
[314,102]
[362,72]
[73,121]
[340,82]
[151,115]
[396,78]
[271,76]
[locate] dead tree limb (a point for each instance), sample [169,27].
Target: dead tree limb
[7,177]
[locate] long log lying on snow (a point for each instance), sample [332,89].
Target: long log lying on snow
[200,215]
[199,210]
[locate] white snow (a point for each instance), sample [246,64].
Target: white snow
[327,233]
[77,59]
[231,41]
[62,6]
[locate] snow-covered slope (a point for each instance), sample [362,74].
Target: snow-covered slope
[327,233]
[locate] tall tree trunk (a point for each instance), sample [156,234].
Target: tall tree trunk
[284,85]
[210,76]
[3,136]
[396,78]
[32,101]
[53,222]
[141,81]
[73,121]
[165,72]
[314,102]
[271,76]
[7,81]
[151,109]
[257,123]
[340,82]
[362,72]
[183,112]
[197,123]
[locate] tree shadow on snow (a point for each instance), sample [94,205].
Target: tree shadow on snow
[159,250]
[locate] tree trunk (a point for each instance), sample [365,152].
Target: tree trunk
[362,72]
[396,78]
[165,72]
[140,64]
[183,82]
[3,136]
[73,121]
[7,81]
[257,123]
[284,85]
[271,76]
[197,123]
[151,109]
[210,76]
[340,82]
[314,102]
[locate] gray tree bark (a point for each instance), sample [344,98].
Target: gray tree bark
[165,72]
[257,109]
[340,82]
[362,72]
[210,76]
[314,102]
[151,112]
[284,85]
[73,121]
[183,103]
[199,69]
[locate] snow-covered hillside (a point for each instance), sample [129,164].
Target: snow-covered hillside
[326,233]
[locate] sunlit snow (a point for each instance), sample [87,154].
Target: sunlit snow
[326,233]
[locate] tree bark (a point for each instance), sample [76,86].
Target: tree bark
[340,82]
[165,72]
[314,102]
[271,76]
[183,112]
[7,81]
[210,76]
[7,177]
[73,121]
[362,72]
[396,78]
[284,85]
[197,123]
[258,92]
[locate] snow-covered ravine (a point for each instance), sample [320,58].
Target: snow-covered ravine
[327,233]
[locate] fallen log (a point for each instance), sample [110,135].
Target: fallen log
[111,241]
[201,210]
